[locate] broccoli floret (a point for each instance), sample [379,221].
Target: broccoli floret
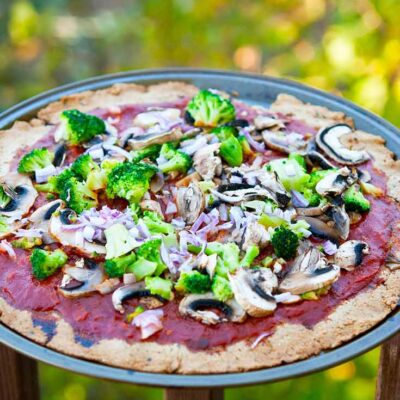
[292,174]
[354,200]
[96,180]
[312,197]
[78,127]
[177,160]
[251,253]
[193,282]
[159,286]
[56,184]
[142,268]
[285,242]
[78,196]
[4,198]
[155,223]
[35,160]
[231,151]
[135,211]
[224,132]
[83,165]
[246,149]
[221,288]
[118,241]
[151,152]
[3,224]
[150,251]
[26,243]
[46,263]
[117,266]
[210,109]
[129,181]
[300,228]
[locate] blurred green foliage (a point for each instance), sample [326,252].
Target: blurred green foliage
[347,47]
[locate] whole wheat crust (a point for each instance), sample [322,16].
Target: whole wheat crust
[290,342]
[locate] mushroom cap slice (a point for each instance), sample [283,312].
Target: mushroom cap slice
[328,139]
[190,202]
[133,291]
[309,271]
[81,281]
[40,219]
[350,254]
[236,193]
[207,163]
[23,196]
[286,143]
[336,182]
[69,237]
[196,305]
[252,290]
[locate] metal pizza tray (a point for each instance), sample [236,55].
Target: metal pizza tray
[253,89]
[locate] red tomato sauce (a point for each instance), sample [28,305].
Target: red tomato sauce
[93,318]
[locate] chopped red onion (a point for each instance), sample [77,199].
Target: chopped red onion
[260,147]
[202,219]
[88,233]
[42,175]
[298,199]
[329,247]
[29,233]
[166,259]
[149,322]
[6,247]
[143,229]
[259,339]
[235,179]
[223,212]
[191,146]
[178,223]
[171,208]
[236,215]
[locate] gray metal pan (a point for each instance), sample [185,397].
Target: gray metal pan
[254,89]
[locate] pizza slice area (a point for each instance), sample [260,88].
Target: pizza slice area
[173,219]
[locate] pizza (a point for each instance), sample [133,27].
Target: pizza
[170,229]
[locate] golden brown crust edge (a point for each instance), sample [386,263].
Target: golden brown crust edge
[289,343]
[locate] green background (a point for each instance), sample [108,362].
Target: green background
[349,47]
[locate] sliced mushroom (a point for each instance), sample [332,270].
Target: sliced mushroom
[393,259]
[315,158]
[139,141]
[158,117]
[252,290]
[198,307]
[22,197]
[341,221]
[310,271]
[78,281]
[336,183]
[134,291]
[262,122]
[255,234]
[40,219]
[328,139]
[60,154]
[190,202]
[363,175]
[235,193]
[284,142]
[312,211]
[321,229]
[207,163]
[350,254]
[70,237]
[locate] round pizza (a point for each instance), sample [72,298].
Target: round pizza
[170,229]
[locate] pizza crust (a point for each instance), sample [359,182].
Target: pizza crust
[290,342]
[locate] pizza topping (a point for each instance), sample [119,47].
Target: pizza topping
[252,290]
[60,154]
[134,291]
[40,219]
[329,140]
[80,281]
[207,163]
[285,142]
[262,122]
[149,322]
[77,127]
[310,271]
[336,182]
[35,161]
[201,306]
[190,202]
[208,109]
[46,263]
[350,254]
[315,158]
